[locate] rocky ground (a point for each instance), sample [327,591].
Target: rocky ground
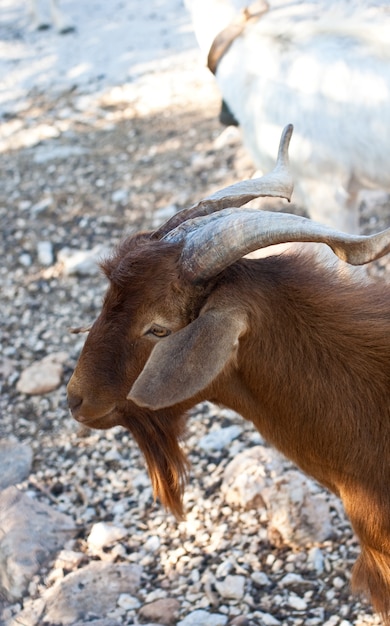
[81,540]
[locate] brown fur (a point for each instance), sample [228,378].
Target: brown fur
[309,365]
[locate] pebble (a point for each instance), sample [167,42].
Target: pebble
[128,602]
[42,376]
[82,262]
[203,618]
[315,560]
[291,579]
[45,253]
[232,587]
[120,196]
[260,579]
[297,603]
[104,534]
[152,544]
[338,582]
[163,611]
[267,619]
[219,438]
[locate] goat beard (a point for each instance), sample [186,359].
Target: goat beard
[158,435]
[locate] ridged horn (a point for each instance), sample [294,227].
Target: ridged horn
[213,243]
[278,184]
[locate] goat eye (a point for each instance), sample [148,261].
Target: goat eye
[159,331]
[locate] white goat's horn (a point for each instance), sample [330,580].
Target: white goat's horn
[277,183]
[214,242]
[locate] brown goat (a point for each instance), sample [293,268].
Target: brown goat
[301,350]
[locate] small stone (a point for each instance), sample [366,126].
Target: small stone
[315,560]
[291,579]
[41,206]
[260,579]
[219,438]
[120,196]
[224,569]
[25,260]
[203,618]
[42,376]
[69,560]
[45,253]
[125,601]
[104,534]
[297,603]
[267,619]
[240,620]
[232,587]
[82,262]
[152,544]
[332,621]
[163,611]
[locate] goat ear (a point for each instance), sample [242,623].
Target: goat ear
[186,362]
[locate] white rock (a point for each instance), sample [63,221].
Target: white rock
[248,474]
[42,376]
[338,582]
[83,262]
[45,252]
[69,559]
[25,259]
[232,587]
[102,584]
[203,618]
[291,579]
[219,438]
[152,544]
[125,601]
[104,534]
[316,560]
[42,205]
[297,603]
[260,579]
[224,569]
[121,196]
[267,619]
[332,621]
[298,515]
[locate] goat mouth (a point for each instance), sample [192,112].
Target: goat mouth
[101,422]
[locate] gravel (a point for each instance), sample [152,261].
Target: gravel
[79,171]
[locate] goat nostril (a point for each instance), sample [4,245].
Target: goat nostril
[74,402]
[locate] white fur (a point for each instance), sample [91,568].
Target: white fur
[323,65]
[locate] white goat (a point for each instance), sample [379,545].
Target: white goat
[58,19]
[324,65]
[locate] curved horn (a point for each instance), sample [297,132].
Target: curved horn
[277,183]
[214,242]
[225,38]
